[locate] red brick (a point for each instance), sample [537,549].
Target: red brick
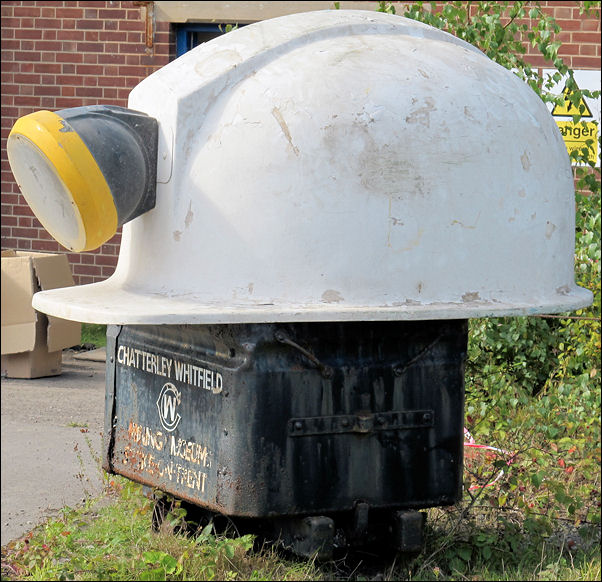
[68,80]
[90,58]
[48,68]
[8,22]
[25,232]
[74,257]
[27,56]
[88,92]
[131,25]
[111,81]
[107,271]
[48,12]
[91,35]
[11,45]
[590,25]
[69,12]
[25,101]
[569,49]
[111,59]
[6,11]
[112,14]
[21,11]
[89,24]
[90,70]
[586,37]
[48,23]
[28,33]
[49,34]
[106,260]
[112,36]
[90,13]
[69,25]
[27,78]
[90,47]
[48,103]
[90,4]
[132,47]
[132,71]
[9,243]
[569,24]
[67,91]
[48,246]
[23,244]
[65,102]
[48,45]
[589,49]
[48,91]
[71,35]
[91,270]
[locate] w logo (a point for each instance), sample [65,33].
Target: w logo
[169,398]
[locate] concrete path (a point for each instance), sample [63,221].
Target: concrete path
[51,442]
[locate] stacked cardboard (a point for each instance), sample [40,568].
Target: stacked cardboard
[32,342]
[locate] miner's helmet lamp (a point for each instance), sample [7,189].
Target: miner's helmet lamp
[85,171]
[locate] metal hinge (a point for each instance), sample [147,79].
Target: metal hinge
[362,423]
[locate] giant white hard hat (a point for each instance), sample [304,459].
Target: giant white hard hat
[342,165]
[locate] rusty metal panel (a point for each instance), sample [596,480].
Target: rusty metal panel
[264,420]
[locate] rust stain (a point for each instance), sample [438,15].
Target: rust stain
[331,296]
[525,161]
[422,115]
[471,296]
[285,130]
[189,216]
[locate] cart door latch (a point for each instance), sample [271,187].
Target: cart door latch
[362,423]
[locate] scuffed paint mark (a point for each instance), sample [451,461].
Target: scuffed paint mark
[423,73]
[422,115]
[550,228]
[468,226]
[467,113]
[564,290]
[331,296]
[177,234]
[522,193]
[250,287]
[189,216]
[471,296]
[525,161]
[285,130]
[66,128]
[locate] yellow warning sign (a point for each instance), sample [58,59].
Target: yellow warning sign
[580,137]
[568,109]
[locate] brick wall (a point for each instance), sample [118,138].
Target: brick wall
[66,54]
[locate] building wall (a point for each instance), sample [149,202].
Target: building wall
[66,54]
[57,55]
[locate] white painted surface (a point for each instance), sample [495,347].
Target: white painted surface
[343,165]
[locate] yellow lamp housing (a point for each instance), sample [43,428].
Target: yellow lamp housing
[85,171]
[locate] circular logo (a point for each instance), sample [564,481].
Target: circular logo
[168,400]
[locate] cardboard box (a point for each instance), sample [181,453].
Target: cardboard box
[32,343]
